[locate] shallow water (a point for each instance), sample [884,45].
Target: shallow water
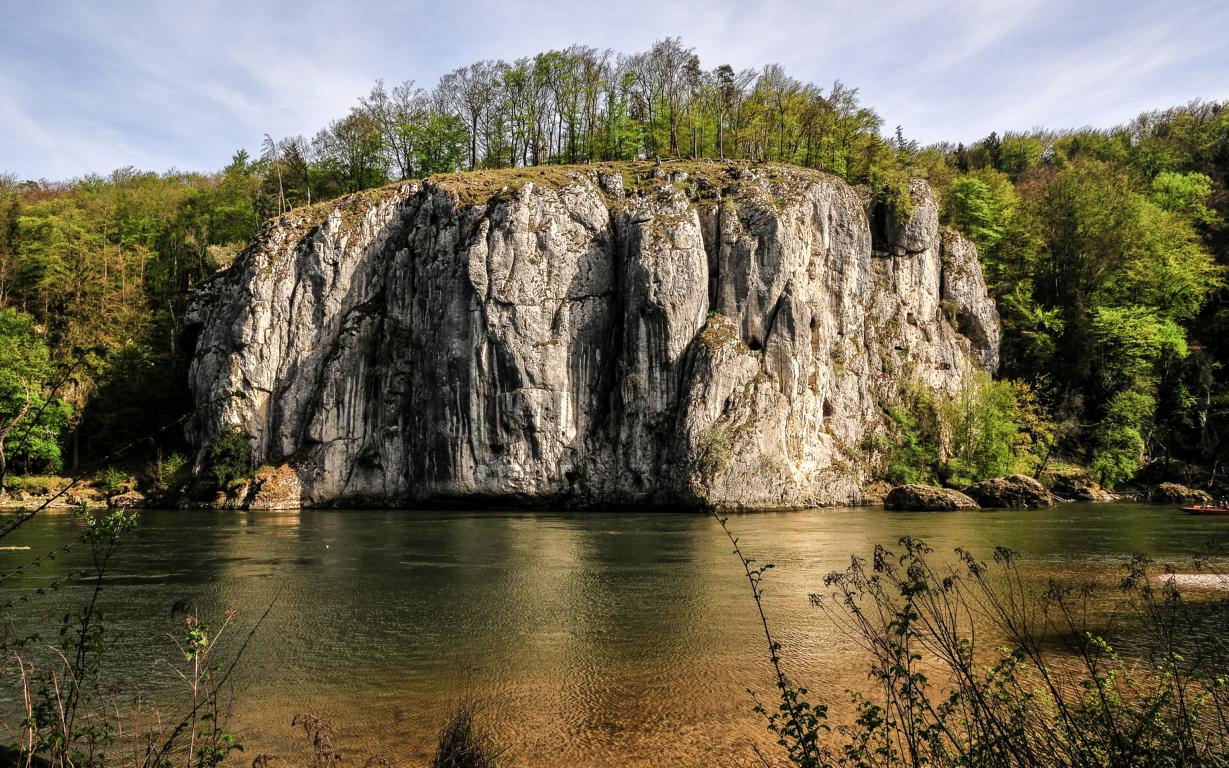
[593,639]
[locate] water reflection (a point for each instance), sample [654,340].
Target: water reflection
[595,639]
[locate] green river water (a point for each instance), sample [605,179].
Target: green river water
[591,639]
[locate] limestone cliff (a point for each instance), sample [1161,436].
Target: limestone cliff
[695,333]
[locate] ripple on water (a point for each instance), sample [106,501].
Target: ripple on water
[590,639]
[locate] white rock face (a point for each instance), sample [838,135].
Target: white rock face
[727,340]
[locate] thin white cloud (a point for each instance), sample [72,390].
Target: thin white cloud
[1111,80]
[61,151]
[92,86]
[980,25]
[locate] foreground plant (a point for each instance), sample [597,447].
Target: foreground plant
[63,722]
[464,741]
[76,718]
[972,665]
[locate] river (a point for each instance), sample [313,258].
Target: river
[588,639]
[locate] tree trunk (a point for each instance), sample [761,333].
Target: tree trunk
[473,141]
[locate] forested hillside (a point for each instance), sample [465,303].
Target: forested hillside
[1103,248]
[1105,251]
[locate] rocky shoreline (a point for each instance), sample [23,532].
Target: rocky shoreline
[1023,492]
[271,490]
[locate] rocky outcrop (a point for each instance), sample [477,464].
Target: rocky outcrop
[925,498]
[1085,492]
[1175,493]
[700,334]
[274,488]
[1013,491]
[127,500]
[963,292]
[1073,484]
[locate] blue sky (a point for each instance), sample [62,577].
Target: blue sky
[92,86]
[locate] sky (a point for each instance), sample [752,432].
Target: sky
[95,85]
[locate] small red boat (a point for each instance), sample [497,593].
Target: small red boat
[1207,509]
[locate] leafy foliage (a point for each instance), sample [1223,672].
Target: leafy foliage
[1119,447]
[1185,193]
[171,473]
[980,206]
[986,435]
[31,416]
[990,428]
[229,456]
[911,452]
[1106,251]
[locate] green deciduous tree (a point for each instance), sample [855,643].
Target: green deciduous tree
[1185,193]
[438,144]
[1118,440]
[1128,343]
[980,210]
[985,433]
[31,417]
[229,456]
[352,154]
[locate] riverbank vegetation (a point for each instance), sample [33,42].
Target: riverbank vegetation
[1104,250]
[988,429]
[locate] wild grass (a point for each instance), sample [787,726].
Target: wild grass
[465,741]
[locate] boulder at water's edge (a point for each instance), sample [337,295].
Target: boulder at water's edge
[926,498]
[1013,492]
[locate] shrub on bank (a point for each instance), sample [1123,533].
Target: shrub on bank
[170,474]
[987,429]
[229,457]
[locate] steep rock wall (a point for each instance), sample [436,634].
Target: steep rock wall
[711,334]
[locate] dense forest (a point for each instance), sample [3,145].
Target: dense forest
[1104,250]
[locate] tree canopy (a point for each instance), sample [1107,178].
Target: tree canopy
[1106,251]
